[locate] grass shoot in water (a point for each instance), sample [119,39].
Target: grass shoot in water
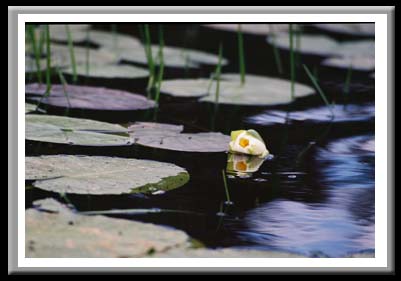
[292,62]
[36,51]
[161,65]
[65,84]
[320,91]
[72,54]
[217,75]
[348,80]
[48,68]
[241,54]
[149,56]
[87,62]
[276,53]
[228,202]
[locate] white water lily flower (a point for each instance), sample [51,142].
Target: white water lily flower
[248,142]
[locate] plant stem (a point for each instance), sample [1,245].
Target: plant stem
[65,84]
[292,62]
[31,33]
[241,55]
[161,65]
[72,54]
[318,89]
[48,61]
[276,53]
[225,185]
[217,75]
[87,62]
[149,56]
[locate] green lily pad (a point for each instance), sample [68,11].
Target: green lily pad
[90,98]
[109,71]
[256,29]
[58,232]
[62,56]
[102,175]
[257,91]
[74,131]
[325,46]
[167,136]
[29,108]
[366,29]
[172,56]
[365,63]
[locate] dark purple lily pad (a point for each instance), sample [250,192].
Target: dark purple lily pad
[349,113]
[90,98]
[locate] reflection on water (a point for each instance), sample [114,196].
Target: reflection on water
[244,166]
[343,224]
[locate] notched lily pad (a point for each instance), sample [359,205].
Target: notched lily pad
[92,98]
[102,175]
[109,71]
[325,46]
[167,136]
[65,234]
[172,56]
[365,29]
[365,63]
[256,29]
[74,131]
[257,91]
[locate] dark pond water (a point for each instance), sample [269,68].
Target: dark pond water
[315,197]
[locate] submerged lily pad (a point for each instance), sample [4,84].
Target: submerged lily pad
[92,98]
[325,46]
[58,232]
[109,71]
[172,56]
[366,29]
[167,136]
[348,113]
[102,175]
[365,63]
[256,29]
[74,131]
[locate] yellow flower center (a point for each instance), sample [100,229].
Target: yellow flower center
[241,166]
[243,142]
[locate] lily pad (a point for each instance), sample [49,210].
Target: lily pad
[172,56]
[91,98]
[167,136]
[29,108]
[102,175]
[74,131]
[60,233]
[109,71]
[256,29]
[365,63]
[365,29]
[257,91]
[58,32]
[113,40]
[325,46]
[349,113]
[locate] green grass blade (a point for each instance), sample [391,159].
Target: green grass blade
[161,65]
[149,56]
[226,186]
[292,62]
[276,52]
[32,37]
[87,53]
[320,91]
[65,84]
[217,75]
[241,54]
[48,61]
[72,54]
